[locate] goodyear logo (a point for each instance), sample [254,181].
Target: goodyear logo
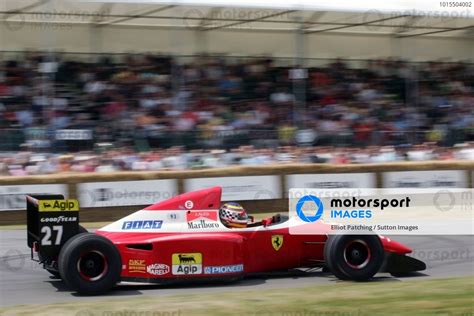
[58,205]
[186,263]
[59,219]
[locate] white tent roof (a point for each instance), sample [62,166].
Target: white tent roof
[396,19]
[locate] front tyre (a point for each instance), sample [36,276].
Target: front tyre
[354,257]
[89,264]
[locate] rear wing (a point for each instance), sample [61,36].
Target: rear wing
[51,221]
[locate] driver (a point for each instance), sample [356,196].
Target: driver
[233,215]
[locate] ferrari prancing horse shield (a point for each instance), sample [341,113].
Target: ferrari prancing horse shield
[277,242]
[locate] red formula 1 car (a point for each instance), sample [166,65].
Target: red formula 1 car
[183,239]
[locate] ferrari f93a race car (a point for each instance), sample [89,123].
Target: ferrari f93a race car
[183,239]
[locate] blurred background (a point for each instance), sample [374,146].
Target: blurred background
[97,87]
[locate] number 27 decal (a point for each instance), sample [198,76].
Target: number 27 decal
[48,232]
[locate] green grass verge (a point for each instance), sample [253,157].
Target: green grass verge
[432,297]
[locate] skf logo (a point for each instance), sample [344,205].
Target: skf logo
[137,265]
[186,263]
[58,205]
[277,242]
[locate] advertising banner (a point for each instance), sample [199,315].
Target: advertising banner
[425,179]
[123,193]
[240,188]
[12,197]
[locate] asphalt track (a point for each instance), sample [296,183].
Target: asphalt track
[23,281]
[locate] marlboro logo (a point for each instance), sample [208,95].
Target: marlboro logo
[202,219]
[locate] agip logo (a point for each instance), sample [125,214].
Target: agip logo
[58,206]
[314,212]
[186,263]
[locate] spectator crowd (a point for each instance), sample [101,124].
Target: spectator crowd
[152,112]
[176,158]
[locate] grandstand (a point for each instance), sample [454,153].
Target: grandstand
[124,86]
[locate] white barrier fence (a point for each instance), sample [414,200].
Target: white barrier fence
[245,188]
[12,197]
[235,188]
[125,193]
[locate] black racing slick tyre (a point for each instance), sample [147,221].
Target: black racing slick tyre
[329,265]
[354,257]
[52,269]
[89,264]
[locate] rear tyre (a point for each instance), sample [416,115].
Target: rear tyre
[54,270]
[354,257]
[89,264]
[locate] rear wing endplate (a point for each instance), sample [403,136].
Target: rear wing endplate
[51,221]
